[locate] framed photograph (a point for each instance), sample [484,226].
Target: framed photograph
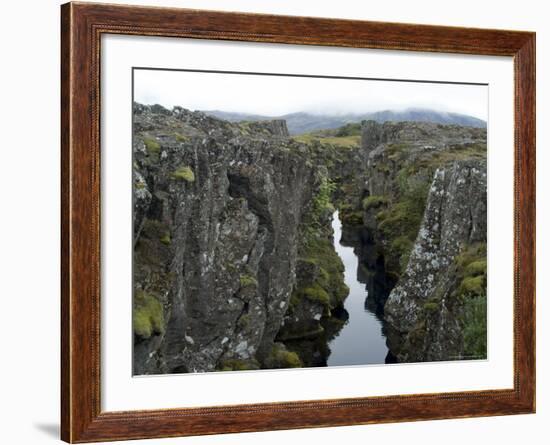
[274,222]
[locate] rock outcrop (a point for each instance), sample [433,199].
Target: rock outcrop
[424,306]
[425,211]
[234,262]
[217,211]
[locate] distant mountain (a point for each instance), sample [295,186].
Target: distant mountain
[299,123]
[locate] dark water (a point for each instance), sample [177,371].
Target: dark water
[361,340]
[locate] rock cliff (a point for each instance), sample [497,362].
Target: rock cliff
[219,208]
[425,208]
[427,304]
[234,260]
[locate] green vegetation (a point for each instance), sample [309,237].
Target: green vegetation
[476,268]
[321,204]
[328,287]
[317,293]
[374,201]
[472,285]
[236,364]
[431,306]
[323,282]
[248,281]
[400,222]
[151,145]
[184,173]
[279,358]
[165,239]
[472,270]
[352,129]
[475,327]
[180,137]
[344,141]
[471,267]
[148,316]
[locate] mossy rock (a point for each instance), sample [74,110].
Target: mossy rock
[401,248]
[238,365]
[248,281]
[352,218]
[148,316]
[471,266]
[184,173]
[476,268]
[473,285]
[165,239]
[374,202]
[151,145]
[280,358]
[180,137]
[317,294]
[431,307]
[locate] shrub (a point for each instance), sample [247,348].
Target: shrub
[184,173]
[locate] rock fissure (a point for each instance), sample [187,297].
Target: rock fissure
[234,248]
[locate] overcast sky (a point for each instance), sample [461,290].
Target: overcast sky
[278,95]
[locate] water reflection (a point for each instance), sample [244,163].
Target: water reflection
[361,340]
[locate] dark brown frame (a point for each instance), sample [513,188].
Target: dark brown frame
[82,25]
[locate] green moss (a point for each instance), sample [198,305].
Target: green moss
[401,248]
[473,252]
[317,293]
[180,137]
[248,281]
[471,266]
[400,222]
[244,321]
[476,268]
[151,145]
[475,328]
[322,204]
[472,285]
[148,316]
[374,202]
[237,365]
[279,357]
[431,306]
[165,239]
[328,288]
[184,173]
[351,218]
[396,150]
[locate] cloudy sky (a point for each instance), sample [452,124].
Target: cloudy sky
[277,95]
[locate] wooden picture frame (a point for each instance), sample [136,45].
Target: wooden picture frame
[82,25]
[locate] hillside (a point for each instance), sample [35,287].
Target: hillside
[303,122]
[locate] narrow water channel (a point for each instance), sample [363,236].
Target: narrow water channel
[361,340]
